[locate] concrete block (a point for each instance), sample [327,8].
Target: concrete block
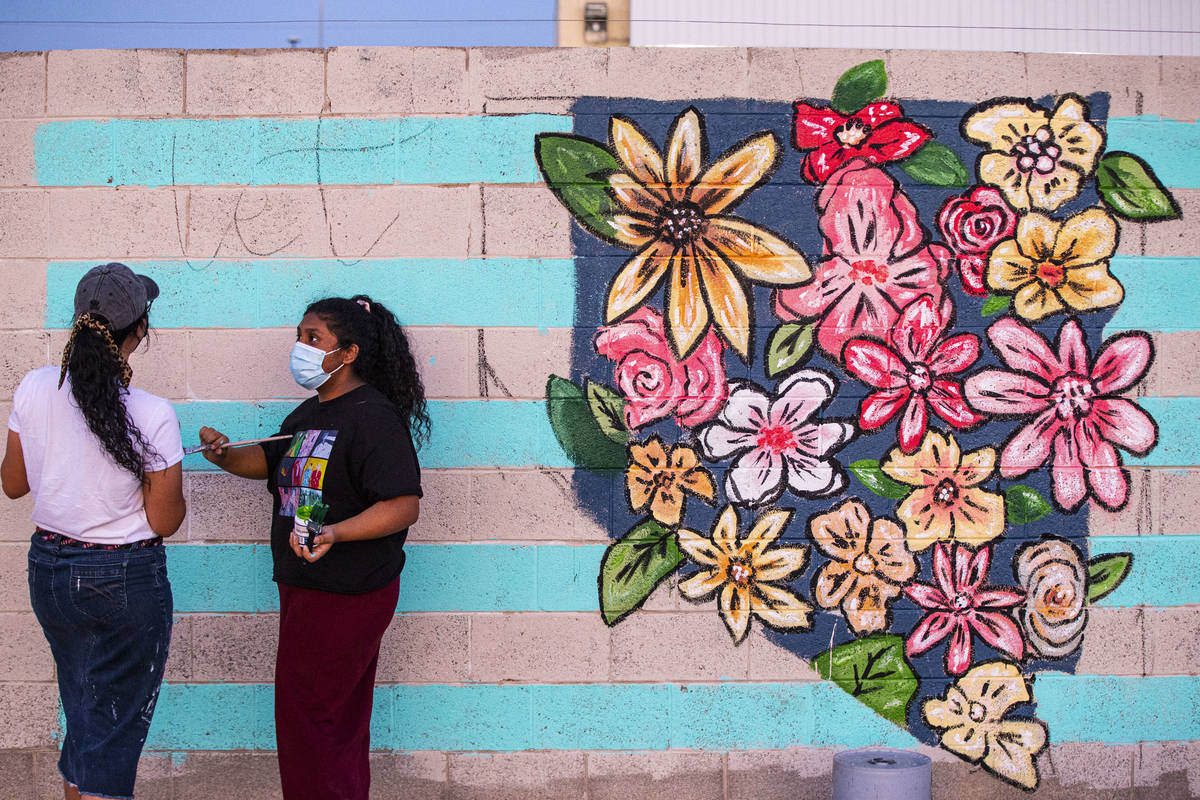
[774,73]
[525,221]
[1176,371]
[16,774]
[241,364]
[14,574]
[401,221]
[23,283]
[160,365]
[1167,771]
[615,775]
[226,508]
[954,75]
[16,153]
[22,84]
[178,668]
[103,223]
[398,80]
[1177,97]
[15,523]
[1136,518]
[242,774]
[689,645]
[444,507]
[666,597]
[515,362]
[255,82]
[1173,641]
[1176,237]
[28,714]
[426,648]
[770,662]
[538,105]
[1179,511]
[539,648]
[956,778]
[1093,765]
[529,505]
[237,648]
[678,73]
[26,350]
[820,69]
[527,775]
[106,83]
[780,774]
[524,73]
[1132,82]
[413,776]
[27,654]
[445,359]
[23,220]
[253,223]
[1114,643]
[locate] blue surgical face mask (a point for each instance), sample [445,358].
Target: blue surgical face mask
[306,365]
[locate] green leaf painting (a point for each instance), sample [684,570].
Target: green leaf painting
[874,671]
[608,408]
[996,304]
[936,164]
[633,565]
[1105,574]
[1131,190]
[581,437]
[858,86]
[576,170]
[1023,505]
[867,470]
[789,346]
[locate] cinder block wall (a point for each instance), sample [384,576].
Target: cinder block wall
[499,677]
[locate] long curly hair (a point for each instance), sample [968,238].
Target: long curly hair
[99,377]
[384,358]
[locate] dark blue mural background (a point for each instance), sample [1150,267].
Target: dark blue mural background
[785,205]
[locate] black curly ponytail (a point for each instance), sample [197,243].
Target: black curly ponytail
[384,358]
[99,377]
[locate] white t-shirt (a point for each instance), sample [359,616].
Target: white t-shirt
[78,489]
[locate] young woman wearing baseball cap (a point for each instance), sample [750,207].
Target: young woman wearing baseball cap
[103,463]
[350,450]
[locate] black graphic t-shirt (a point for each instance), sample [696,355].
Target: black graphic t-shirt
[349,453]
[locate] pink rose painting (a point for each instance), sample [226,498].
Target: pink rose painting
[654,382]
[972,225]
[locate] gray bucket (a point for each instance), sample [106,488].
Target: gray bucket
[874,774]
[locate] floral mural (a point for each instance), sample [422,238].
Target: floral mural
[856,392]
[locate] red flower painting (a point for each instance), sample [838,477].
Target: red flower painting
[972,224]
[878,133]
[911,371]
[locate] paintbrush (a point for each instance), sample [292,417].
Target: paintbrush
[187,451]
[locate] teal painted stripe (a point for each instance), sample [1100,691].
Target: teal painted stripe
[661,716]
[464,433]
[410,150]
[1163,574]
[1178,421]
[236,578]
[1161,294]
[489,576]
[485,292]
[1168,146]
[1119,710]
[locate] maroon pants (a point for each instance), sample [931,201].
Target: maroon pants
[324,686]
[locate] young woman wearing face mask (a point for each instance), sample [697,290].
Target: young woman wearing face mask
[350,450]
[103,463]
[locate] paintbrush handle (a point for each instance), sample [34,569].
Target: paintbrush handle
[200,448]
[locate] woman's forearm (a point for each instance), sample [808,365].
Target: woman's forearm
[382,519]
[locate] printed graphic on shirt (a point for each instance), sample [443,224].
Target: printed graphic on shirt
[300,475]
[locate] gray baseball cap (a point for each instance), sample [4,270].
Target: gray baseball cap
[115,292]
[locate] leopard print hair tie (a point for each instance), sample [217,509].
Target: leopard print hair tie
[86,320]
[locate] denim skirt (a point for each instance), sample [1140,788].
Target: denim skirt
[107,617]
